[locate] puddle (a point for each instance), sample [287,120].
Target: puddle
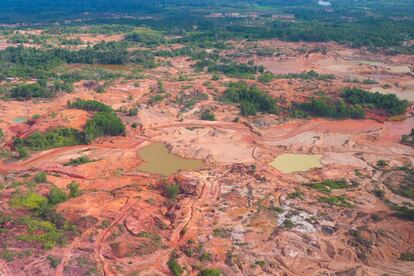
[158,160]
[19,120]
[288,163]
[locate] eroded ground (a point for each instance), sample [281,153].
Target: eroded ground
[237,213]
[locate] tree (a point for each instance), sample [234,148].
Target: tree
[73,189]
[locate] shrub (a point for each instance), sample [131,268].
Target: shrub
[54,262]
[133,111]
[379,193]
[171,190]
[325,107]
[83,159]
[335,200]
[56,196]
[407,256]
[296,194]
[328,185]
[40,177]
[210,272]
[73,189]
[174,267]
[59,137]
[22,152]
[49,236]
[387,102]
[207,115]
[251,98]
[28,91]
[31,201]
[103,123]
[287,223]
[89,105]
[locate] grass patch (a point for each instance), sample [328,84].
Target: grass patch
[335,200]
[327,186]
[83,159]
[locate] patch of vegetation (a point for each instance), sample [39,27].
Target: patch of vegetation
[174,267]
[287,223]
[30,201]
[171,190]
[83,159]
[89,105]
[228,67]
[207,115]
[251,99]
[145,36]
[222,232]
[73,189]
[408,139]
[387,102]
[327,186]
[295,194]
[268,77]
[40,177]
[151,236]
[379,193]
[407,256]
[59,137]
[210,272]
[326,107]
[103,123]
[43,232]
[56,196]
[335,200]
[54,261]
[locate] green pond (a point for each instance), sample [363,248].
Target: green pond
[19,120]
[158,160]
[288,162]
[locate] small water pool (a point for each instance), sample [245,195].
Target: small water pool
[19,120]
[158,160]
[291,162]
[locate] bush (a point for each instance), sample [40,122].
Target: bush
[40,177]
[325,107]
[54,262]
[22,152]
[171,190]
[28,91]
[407,256]
[59,137]
[379,193]
[335,200]
[133,111]
[73,189]
[56,196]
[210,272]
[251,98]
[387,102]
[89,105]
[328,185]
[103,123]
[31,201]
[207,115]
[174,267]
[83,159]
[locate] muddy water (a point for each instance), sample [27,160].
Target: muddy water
[288,163]
[158,160]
